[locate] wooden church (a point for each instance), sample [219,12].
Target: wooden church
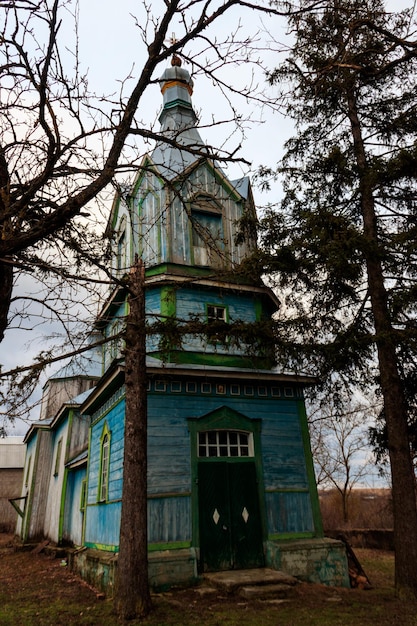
[230,474]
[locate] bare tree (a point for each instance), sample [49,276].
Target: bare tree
[61,145]
[340,447]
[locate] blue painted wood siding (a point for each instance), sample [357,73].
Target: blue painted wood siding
[287,498]
[193,302]
[289,512]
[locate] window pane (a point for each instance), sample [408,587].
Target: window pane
[212,439]
[243,437]
[223,437]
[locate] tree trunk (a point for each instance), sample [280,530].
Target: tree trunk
[395,409]
[6,285]
[6,269]
[132,597]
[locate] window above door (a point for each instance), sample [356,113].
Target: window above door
[225,443]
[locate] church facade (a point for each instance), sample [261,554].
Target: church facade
[230,474]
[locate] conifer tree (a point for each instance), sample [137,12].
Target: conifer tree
[342,244]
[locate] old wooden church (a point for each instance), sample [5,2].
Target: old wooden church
[230,473]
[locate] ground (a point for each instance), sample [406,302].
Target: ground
[37,589]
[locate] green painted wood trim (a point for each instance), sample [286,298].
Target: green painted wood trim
[178,102]
[147,166]
[90,504]
[258,309]
[152,547]
[174,270]
[287,536]
[115,212]
[289,490]
[110,408]
[105,432]
[223,182]
[62,506]
[87,474]
[173,545]
[71,415]
[28,510]
[102,546]
[311,478]
[198,358]
[163,496]
[168,302]
[19,511]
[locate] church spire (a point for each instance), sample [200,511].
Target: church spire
[178,122]
[177,88]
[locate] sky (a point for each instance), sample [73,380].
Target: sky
[110,48]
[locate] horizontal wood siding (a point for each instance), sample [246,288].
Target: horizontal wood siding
[193,302]
[115,423]
[102,527]
[282,446]
[288,513]
[288,509]
[152,309]
[169,519]
[169,459]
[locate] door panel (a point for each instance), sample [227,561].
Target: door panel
[245,516]
[214,509]
[230,524]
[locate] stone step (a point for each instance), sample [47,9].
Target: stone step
[233,580]
[275,591]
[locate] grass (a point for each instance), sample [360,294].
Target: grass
[36,590]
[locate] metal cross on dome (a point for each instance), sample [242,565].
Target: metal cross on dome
[175,58]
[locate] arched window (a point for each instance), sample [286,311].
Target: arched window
[104,465]
[225,443]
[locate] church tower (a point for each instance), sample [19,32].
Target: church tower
[230,475]
[186,219]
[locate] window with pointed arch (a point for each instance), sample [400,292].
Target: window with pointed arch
[103,485]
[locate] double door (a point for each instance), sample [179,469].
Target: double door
[229,514]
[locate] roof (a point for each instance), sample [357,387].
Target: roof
[80,459]
[39,425]
[242,186]
[87,364]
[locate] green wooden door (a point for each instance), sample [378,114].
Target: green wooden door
[230,523]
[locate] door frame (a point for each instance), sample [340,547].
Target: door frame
[224,418]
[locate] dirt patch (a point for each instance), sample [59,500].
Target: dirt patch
[39,590]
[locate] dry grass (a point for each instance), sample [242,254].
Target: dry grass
[36,590]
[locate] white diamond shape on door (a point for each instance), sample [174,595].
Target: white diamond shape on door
[216,516]
[245,515]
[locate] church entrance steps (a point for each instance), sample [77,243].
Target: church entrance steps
[253,583]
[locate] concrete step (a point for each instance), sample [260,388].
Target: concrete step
[234,580]
[275,591]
